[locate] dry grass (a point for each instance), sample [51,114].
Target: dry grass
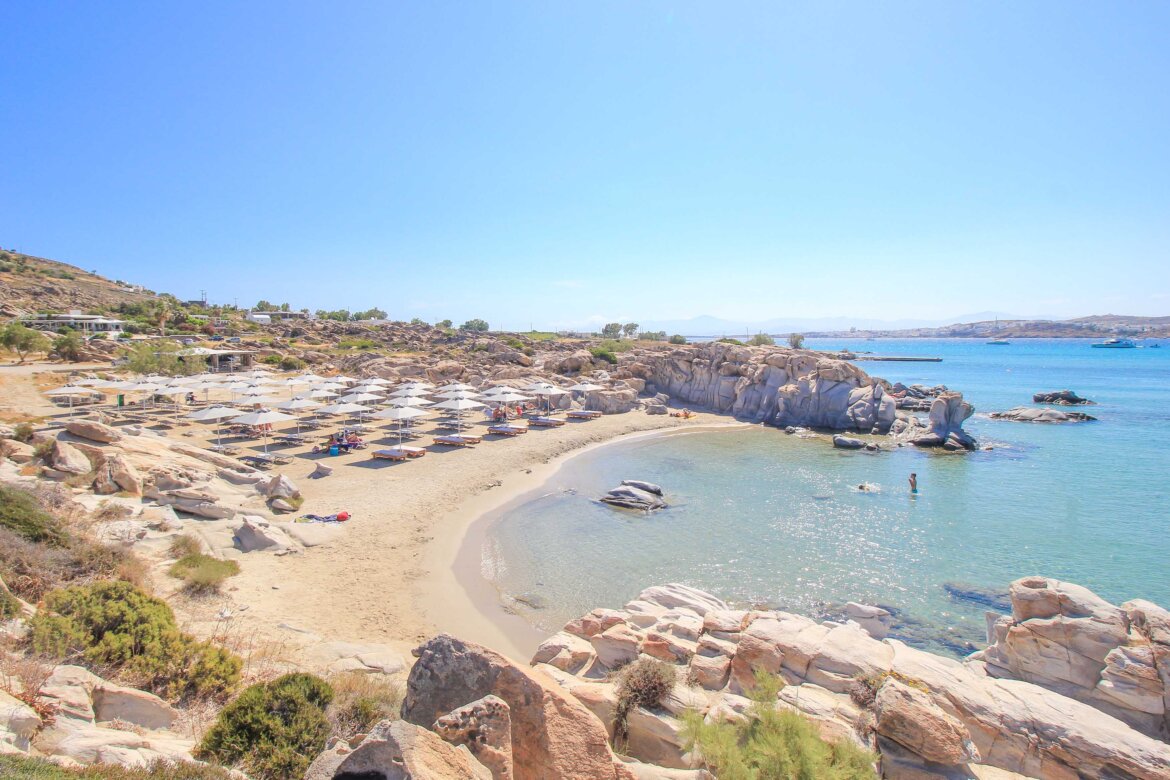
[360,700]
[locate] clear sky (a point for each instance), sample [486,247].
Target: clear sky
[556,163]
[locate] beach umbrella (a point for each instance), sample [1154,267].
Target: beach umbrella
[69,391]
[408,401]
[402,415]
[322,394]
[376,380]
[459,406]
[415,385]
[459,394]
[410,392]
[343,408]
[309,378]
[454,386]
[349,380]
[214,414]
[586,387]
[330,386]
[374,389]
[548,391]
[297,405]
[356,398]
[266,419]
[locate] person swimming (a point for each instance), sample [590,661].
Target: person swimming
[913,483]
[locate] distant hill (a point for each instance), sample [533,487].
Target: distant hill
[34,284]
[1096,326]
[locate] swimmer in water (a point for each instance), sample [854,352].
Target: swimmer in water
[913,483]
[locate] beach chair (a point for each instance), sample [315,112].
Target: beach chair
[546,422]
[399,453]
[504,429]
[582,414]
[458,440]
[223,449]
[257,461]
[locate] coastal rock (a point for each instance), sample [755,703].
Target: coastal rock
[948,412]
[485,727]
[676,595]
[17,451]
[553,735]
[117,473]
[649,487]
[18,724]
[611,401]
[874,621]
[616,646]
[401,750]
[566,652]
[200,507]
[847,442]
[911,718]
[94,431]
[281,486]
[1027,414]
[66,458]
[628,497]
[1061,398]
[256,533]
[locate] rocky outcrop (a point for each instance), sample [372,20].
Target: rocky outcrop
[611,401]
[256,533]
[65,458]
[932,716]
[485,727]
[948,412]
[1028,414]
[94,431]
[777,386]
[1069,640]
[553,735]
[847,442]
[634,494]
[1061,398]
[400,751]
[116,473]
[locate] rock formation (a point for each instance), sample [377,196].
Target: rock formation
[928,716]
[948,412]
[635,494]
[1061,398]
[553,735]
[1027,414]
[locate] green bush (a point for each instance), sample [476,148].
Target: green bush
[19,767]
[116,626]
[357,344]
[9,606]
[360,701]
[185,545]
[603,354]
[272,730]
[272,360]
[21,514]
[796,340]
[678,339]
[773,743]
[644,683]
[291,363]
[737,342]
[23,432]
[68,345]
[762,340]
[616,345]
[203,574]
[475,326]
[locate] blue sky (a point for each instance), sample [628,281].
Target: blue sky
[557,163]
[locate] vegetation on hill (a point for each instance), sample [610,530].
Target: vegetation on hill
[18,767]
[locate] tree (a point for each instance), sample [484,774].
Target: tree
[263,305]
[444,324]
[417,321]
[475,326]
[341,315]
[161,311]
[761,340]
[370,314]
[612,330]
[652,335]
[21,339]
[160,357]
[68,345]
[630,328]
[796,340]
[284,307]
[678,338]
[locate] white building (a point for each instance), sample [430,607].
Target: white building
[84,323]
[268,317]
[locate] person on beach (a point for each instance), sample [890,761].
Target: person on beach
[913,483]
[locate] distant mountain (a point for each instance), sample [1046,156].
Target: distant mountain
[707,325]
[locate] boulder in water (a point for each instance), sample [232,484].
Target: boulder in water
[627,496]
[1061,398]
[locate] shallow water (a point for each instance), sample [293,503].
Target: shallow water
[760,517]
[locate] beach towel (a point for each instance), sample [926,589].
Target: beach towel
[340,517]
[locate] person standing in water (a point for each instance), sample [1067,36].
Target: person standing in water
[913,483]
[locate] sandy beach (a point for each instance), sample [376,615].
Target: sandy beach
[394,573]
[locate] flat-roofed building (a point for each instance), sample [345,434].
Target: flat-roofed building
[75,320]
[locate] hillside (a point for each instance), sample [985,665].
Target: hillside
[1097,326]
[34,284]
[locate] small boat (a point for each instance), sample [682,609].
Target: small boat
[998,343]
[1115,344]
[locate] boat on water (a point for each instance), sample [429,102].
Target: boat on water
[999,343]
[1115,344]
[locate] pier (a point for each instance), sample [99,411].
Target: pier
[899,359]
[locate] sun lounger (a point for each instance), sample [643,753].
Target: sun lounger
[257,461]
[458,440]
[400,453]
[289,438]
[546,422]
[507,430]
[581,414]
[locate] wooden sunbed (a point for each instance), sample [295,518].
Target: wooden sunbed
[582,414]
[507,430]
[399,453]
[289,439]
[546,422]
[458,440]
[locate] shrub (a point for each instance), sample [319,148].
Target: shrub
[761,340]
[203,574]
[271,360]
[23,432]
[678,339]
[796,340]
[20,767]
[357,344]
[9,606]
[865,686]
[361,700]
[21,514]
[291,363]
[772,743]
[476,326]
[274,729]
[737,342]
[184,545]
[33,569]
[644,683]
[603,354]
[117,626]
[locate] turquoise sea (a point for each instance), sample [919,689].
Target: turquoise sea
[760,517]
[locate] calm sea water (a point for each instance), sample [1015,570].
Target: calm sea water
[760,517]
